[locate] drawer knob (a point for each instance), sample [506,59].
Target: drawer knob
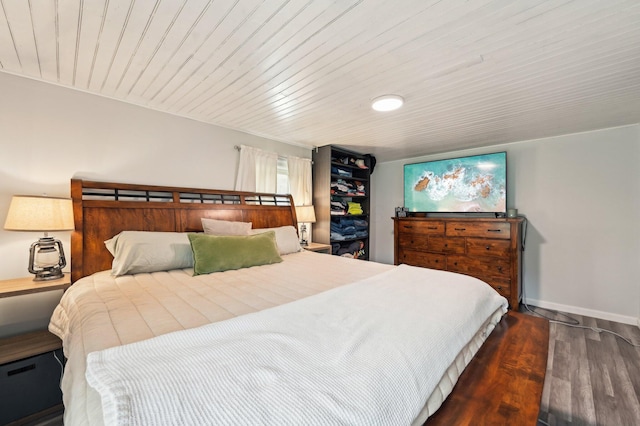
[446,245]
[499,287]
[500,268]
[488,247]
[436,260]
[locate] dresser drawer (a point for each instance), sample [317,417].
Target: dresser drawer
[421,227]
[502,286]
[479,229]
[488,247]
[480,266]
[427,260]
[416,241]
[440,244]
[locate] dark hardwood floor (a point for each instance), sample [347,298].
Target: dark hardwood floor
[592,378]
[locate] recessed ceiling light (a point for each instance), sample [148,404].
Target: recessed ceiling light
[387,103]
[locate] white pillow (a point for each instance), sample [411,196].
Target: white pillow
[135,252]
[286,238]
[225,227]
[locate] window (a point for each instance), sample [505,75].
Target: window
[282,176]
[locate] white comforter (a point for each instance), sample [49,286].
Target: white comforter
[369,353]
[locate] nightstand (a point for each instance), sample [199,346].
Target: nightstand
[318,248]
[18,286]
[29,373]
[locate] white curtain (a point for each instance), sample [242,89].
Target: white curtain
[300,180]
[257,171]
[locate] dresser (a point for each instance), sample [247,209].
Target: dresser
[486,248]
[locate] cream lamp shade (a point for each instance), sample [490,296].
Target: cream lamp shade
[31,213]
[305,214]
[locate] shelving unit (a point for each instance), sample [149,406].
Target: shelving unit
[338,178]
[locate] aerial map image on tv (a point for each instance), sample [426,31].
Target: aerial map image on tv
[466,184]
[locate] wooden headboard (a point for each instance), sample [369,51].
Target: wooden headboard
[103,209]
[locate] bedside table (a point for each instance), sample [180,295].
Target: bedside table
[318,248]
[29,373]
[18,286]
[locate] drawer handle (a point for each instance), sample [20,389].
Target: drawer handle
[407,226]
[488,247]
[494,230]
[21,370]
[460,229]
[432,227]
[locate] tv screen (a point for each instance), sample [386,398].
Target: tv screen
[475,184]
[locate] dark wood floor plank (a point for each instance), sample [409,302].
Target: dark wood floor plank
[560,401]
[589,322]
[563,360]
[544,401]
[582,405]
[630,354]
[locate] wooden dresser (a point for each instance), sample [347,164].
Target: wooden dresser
[486,248]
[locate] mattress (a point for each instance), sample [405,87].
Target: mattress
[101,312]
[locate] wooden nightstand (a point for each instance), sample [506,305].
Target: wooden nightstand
[18,286]
[32,374]
[318,248]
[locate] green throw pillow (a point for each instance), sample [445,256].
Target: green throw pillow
[217,253]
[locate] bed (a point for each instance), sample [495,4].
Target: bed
[147,347]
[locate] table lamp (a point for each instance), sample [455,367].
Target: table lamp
[46,214]
[305,214]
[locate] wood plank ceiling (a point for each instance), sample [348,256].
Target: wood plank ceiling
[473,73]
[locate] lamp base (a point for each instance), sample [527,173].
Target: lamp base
[49,274]
[46,259]
[303,235]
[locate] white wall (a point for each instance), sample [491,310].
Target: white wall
[50,134]
[581,195]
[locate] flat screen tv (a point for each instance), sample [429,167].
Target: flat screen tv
[473,184]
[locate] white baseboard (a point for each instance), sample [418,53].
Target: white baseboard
[586,312]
